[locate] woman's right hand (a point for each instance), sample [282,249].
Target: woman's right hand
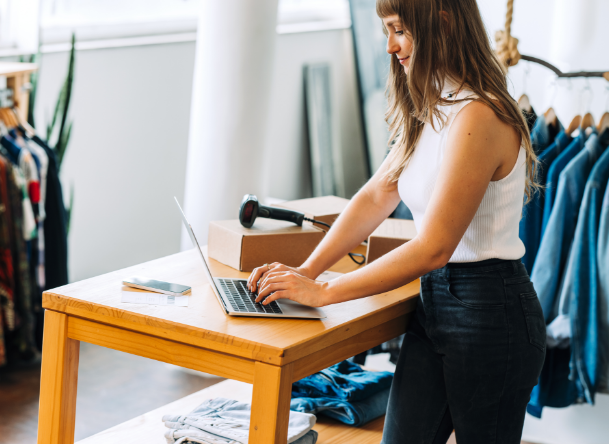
[259,273]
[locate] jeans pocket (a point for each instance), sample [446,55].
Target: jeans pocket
[533,316]
[477,305]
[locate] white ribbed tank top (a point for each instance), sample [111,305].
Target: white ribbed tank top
[493,232]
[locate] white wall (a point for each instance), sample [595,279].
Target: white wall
[127,156]
[287,155]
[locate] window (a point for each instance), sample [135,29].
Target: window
[311,15]
[18,26]
[93,20]
[105,19]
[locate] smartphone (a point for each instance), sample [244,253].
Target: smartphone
[157,286]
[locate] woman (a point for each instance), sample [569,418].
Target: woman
[461,160]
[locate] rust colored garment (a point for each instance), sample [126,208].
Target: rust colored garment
[17,317]
[7,311]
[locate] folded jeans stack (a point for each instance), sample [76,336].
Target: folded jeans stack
[344,392]
[226,421]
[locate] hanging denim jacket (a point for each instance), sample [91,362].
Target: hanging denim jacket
[559,164]
[602,263]
[551,262]
[542,134]
[555,389]
[532,214]
[589,341]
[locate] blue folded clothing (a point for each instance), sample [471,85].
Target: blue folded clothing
[356,413]
[343,381]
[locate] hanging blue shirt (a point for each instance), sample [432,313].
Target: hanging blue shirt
[541,135]
[532,214]
[589,342]
[602,263]
[555,389]
[553,252]
[554,171]
[580,311]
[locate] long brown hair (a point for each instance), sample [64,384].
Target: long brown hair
[459,50]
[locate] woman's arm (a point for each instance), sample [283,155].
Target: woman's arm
[364,213]
[480,148]
[366,210]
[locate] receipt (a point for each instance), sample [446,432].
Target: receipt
[134,296]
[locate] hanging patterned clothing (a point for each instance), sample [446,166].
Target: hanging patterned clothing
[7,308]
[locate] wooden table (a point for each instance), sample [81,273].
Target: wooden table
[268,353]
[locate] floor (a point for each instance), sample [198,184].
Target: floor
[112,388]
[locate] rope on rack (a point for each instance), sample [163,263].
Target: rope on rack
[507,45]
[508,55]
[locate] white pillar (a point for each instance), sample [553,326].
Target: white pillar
[232,83]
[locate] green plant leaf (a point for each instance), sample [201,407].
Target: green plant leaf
[69,208]
[34,58]
[66,91]
[62,145]
[51,127]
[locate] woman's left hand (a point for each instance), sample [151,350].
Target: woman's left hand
[293,286]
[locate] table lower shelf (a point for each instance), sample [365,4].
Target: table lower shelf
[149,429]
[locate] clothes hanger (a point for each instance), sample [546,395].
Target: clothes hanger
[6,117]
[5,120]
[576,122]
[588,119]
[523,102]
[3,128]
[550,114]
[574,125]
[11,118]
[23,126]
[603,123]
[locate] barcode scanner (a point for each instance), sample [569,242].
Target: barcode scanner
[251,209]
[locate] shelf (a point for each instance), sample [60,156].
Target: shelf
[9,69]
[149,429]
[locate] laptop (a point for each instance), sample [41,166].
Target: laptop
[236,300]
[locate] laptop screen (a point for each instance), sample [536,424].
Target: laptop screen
[191,233]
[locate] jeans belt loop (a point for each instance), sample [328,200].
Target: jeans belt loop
[515,267]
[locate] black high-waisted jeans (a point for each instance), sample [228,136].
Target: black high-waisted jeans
[472,354]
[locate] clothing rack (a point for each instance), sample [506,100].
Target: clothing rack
[507,51]
[559,73]
[17,77]
[31,204]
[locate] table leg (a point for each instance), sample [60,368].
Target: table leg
[270,404]
[59,378]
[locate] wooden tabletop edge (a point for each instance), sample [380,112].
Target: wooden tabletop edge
[410,298]
[256,348]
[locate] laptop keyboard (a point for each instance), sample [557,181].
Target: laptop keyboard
[242,299]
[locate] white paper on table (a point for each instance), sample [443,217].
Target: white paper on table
[146,297]
[328,276]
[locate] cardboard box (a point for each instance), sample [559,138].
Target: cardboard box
[388,236]
[325,209]
[267,241]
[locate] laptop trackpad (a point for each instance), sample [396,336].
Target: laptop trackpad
[297,309]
